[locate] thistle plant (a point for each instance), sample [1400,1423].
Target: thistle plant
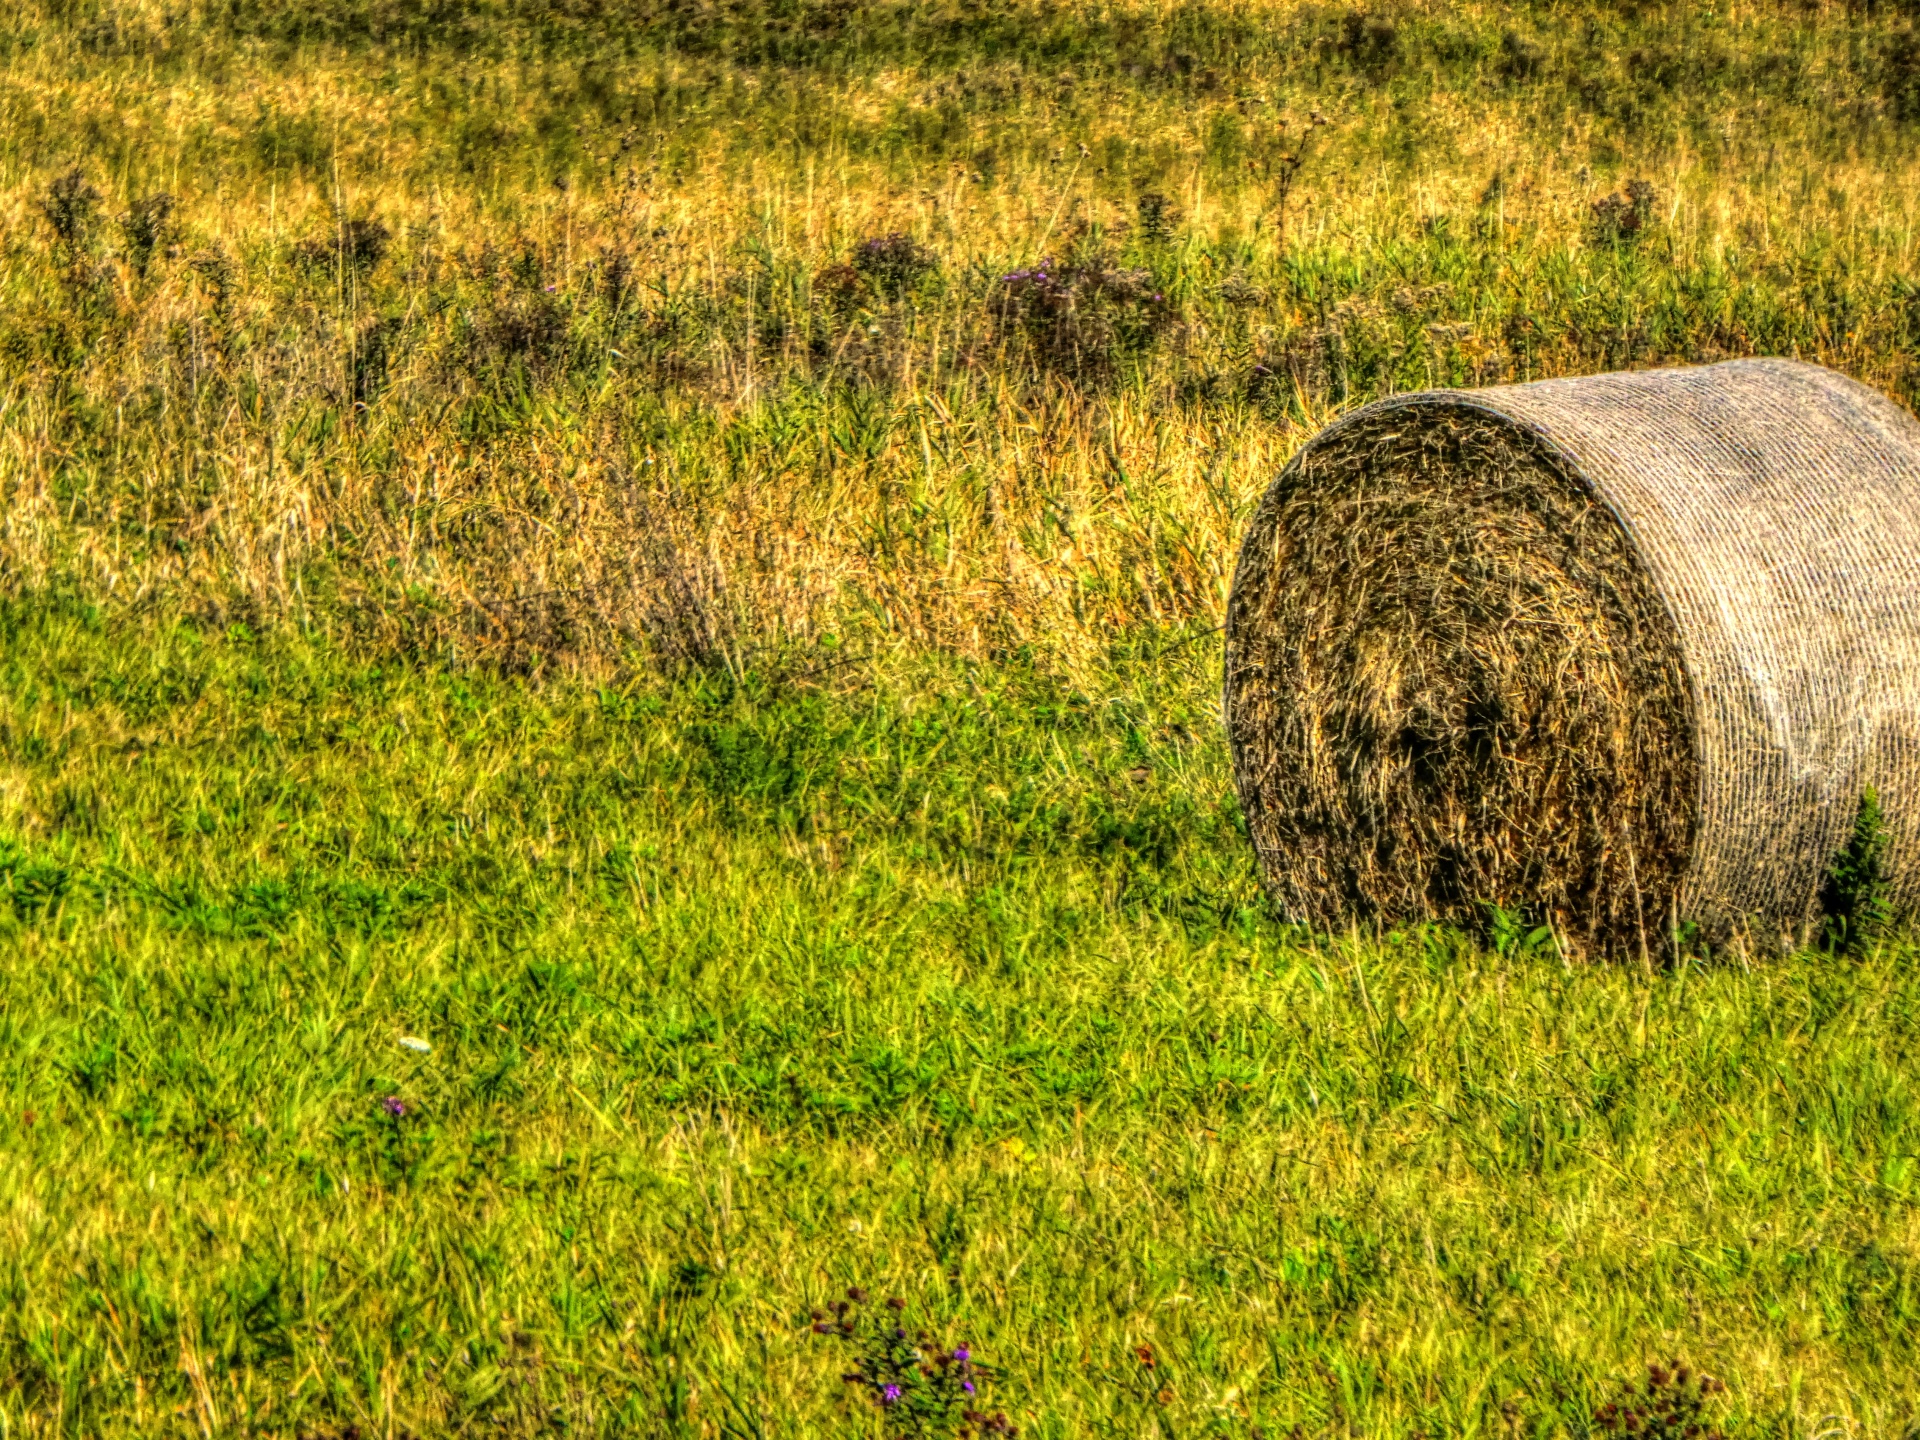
[922,1388]
[894,263]
[1857,899]
[1670,1404]
[1081,316]
[1624,216]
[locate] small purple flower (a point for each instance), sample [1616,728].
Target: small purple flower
[890,1394]
[967,1385]
[962,1354]
[394,1106]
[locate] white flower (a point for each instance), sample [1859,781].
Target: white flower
[415,1044]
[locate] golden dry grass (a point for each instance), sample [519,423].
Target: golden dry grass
[601,397]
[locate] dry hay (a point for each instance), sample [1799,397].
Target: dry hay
[1625,649]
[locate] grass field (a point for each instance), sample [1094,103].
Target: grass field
[670,554]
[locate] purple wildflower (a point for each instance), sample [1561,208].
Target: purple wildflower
[962,1354]
[889,1394]
[394,1106]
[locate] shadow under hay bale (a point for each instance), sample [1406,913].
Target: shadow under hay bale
[1626,648]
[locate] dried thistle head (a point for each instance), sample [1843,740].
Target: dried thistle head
[71,207]
[893,263]
[355,245]
[146,228]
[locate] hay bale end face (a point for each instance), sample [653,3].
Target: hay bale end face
[1626,648]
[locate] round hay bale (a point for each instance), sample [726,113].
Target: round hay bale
[1625,648]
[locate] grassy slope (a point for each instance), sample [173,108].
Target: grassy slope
[954,987]
[930,957]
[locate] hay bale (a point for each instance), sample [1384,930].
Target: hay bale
[1627,648]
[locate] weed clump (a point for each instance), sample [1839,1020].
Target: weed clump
[356,244]
[72,208]
[1857,899]
[893,263]
[531,329]
[1082,318]
[1670,1404]
[920,1387]
[1371,43]
[1899,75]
[146,229]
[1625,215]
[1239,292]
[1159,220]
[1520,59]
[617,277]
[372,354]
[840,288]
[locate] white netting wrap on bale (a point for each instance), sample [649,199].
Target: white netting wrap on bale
[1628,648]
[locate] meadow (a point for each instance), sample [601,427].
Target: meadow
[671,556]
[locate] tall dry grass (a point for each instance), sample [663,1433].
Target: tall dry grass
[538,336]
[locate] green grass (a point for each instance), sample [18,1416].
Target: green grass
[954,985]
[756,717]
